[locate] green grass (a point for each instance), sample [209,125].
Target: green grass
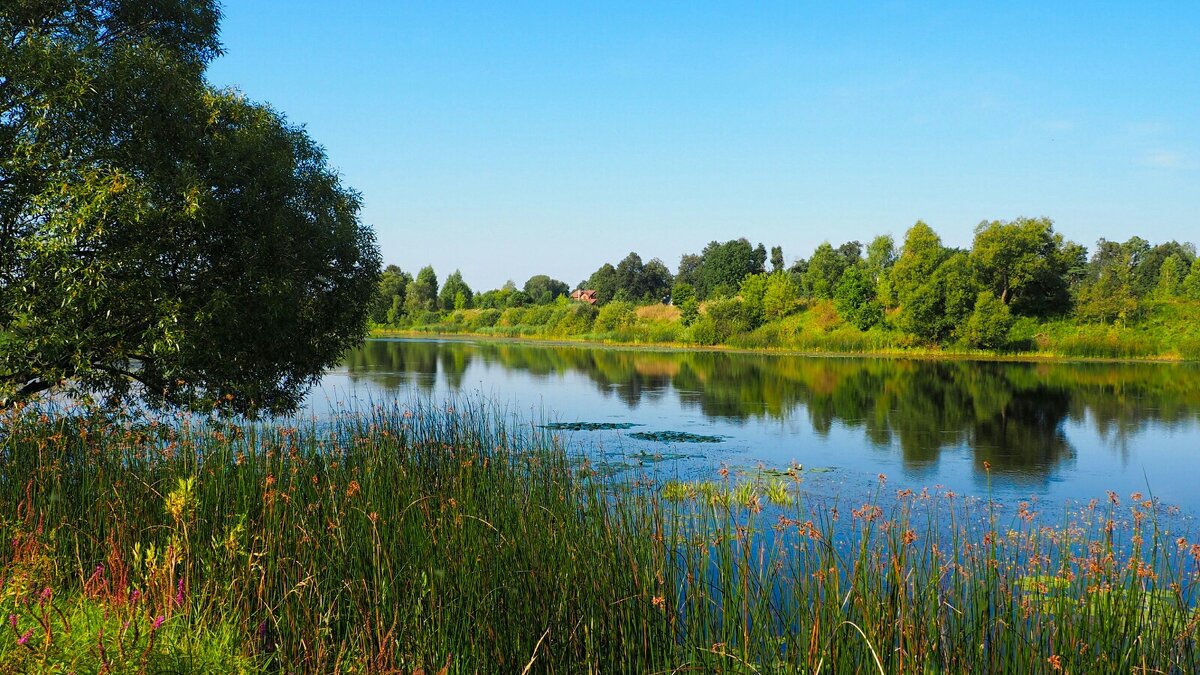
[92,632]
[458,538]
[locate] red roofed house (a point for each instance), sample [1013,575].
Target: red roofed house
[581,295]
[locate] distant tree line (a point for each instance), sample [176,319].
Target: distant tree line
[940,294]
[402,297]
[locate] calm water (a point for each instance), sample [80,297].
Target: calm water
[1050,431]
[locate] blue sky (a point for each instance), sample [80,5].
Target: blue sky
[510,139]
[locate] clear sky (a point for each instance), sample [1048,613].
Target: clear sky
[510,139]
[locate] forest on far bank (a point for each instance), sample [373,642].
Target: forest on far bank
[1020,287]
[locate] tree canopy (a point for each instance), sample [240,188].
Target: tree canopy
[543,289]
[1022,263]
[159,238]
[722,266]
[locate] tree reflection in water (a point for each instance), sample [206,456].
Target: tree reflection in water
[1010,414]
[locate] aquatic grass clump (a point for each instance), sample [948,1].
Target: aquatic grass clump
[933,582]
[398,538]
[456,538]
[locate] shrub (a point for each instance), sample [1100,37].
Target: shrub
[855,299]
[427,317]
[989,323]
[615,316]
[689,312]
[484,318]
[540,315]
[577,319]
[681,293]
[513,316]
[703,331]
[780,297]
[729,317]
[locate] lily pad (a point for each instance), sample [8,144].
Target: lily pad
[589,426]
[654,457]
[769,472]
[610,469]
[821,469]
[675,437]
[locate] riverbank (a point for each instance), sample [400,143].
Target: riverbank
[452,539]
[1166,331]
[923,353]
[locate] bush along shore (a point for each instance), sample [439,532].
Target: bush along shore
[456,539]
[1169,331]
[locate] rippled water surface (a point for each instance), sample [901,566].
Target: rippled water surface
[1049,431]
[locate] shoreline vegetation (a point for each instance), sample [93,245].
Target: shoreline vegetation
[1020,291]
[448,332]
[1166,336]
[456,538]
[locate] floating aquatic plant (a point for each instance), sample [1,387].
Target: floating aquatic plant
[655,457]
[675,437]
[589,426]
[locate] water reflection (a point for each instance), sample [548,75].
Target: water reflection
[1010,415]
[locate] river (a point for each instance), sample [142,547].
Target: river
[1052,432]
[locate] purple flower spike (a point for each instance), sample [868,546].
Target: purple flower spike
[158,622]
[12,621]
[25,638]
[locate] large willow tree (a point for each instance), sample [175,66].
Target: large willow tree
[158,238]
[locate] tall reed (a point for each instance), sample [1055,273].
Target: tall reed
[458,538]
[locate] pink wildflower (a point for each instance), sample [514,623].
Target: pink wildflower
[158,622]
[25,638]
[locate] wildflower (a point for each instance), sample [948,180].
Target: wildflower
[158,622]
[25,638]
[1024,513]
[659,602]
[179,594]
[1055,662]
[987,466]
[868,512]
[12,621]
